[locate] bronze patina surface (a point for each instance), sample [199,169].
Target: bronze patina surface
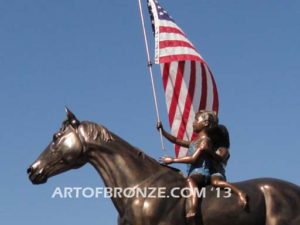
[271,201]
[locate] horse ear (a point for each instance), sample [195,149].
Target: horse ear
[72,118]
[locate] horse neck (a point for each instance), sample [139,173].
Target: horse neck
[121,165]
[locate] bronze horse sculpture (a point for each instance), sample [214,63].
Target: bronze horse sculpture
[271,201]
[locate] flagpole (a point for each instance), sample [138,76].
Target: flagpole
[149,64]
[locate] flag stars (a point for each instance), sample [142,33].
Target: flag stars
[158,10]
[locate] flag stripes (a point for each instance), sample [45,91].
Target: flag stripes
[187,80]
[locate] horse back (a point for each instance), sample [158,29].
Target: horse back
[270,201]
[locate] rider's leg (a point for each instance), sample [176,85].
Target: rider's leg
[194,181]
[218,181]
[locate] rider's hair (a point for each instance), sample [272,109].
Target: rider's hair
[210,116]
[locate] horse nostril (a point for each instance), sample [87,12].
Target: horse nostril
[33,167]
[29,170]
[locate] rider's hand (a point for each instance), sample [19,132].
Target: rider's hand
[166,160]
[159,126]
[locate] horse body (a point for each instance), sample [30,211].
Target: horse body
[271,201]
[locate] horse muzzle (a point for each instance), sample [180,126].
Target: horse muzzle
[36,175]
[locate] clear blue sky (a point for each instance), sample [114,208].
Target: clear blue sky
[90,56]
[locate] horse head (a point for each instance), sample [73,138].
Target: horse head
[65,152]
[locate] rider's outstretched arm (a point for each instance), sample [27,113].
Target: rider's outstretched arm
[172,138]
[203,146]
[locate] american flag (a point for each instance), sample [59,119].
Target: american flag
[187,80]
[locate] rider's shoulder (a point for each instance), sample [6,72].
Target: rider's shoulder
[201,139]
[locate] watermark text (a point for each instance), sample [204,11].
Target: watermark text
[134,192]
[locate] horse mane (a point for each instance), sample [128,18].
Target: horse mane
[98,134]
[95,132]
